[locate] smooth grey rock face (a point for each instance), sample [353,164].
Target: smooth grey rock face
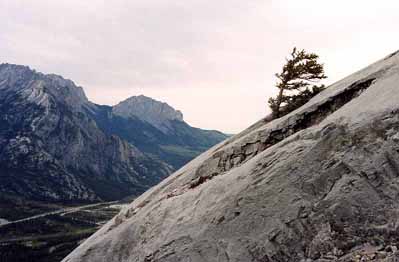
[145,108]
[320,184]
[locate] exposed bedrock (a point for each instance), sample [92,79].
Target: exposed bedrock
[320,184]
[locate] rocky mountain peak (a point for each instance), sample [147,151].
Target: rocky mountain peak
[13,75]
[150,110]
[41,88]
[48,129]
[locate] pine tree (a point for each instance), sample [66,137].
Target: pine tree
[297,82]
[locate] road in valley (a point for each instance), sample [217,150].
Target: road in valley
[56,212]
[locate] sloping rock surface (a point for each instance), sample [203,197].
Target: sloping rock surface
[320,184]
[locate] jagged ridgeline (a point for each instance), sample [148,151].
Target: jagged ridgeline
[319,184]
[56,145]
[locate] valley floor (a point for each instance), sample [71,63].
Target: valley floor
[50,236]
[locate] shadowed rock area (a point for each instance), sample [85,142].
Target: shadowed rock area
[57,146]
[319,184]
[51,149]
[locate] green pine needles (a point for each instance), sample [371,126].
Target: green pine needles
[297,82]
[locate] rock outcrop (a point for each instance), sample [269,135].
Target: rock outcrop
[147,109]
[319,184]
[157,129]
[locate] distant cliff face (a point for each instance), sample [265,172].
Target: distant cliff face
[55,145]
[319,184]
[157,129]
[51,149]
[147,109]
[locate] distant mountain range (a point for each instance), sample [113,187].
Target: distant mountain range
[156,129]
[56,145]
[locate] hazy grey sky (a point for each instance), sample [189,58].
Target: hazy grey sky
[212,59]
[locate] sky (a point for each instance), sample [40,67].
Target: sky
[214,60]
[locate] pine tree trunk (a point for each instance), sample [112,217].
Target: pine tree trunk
[279,101]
